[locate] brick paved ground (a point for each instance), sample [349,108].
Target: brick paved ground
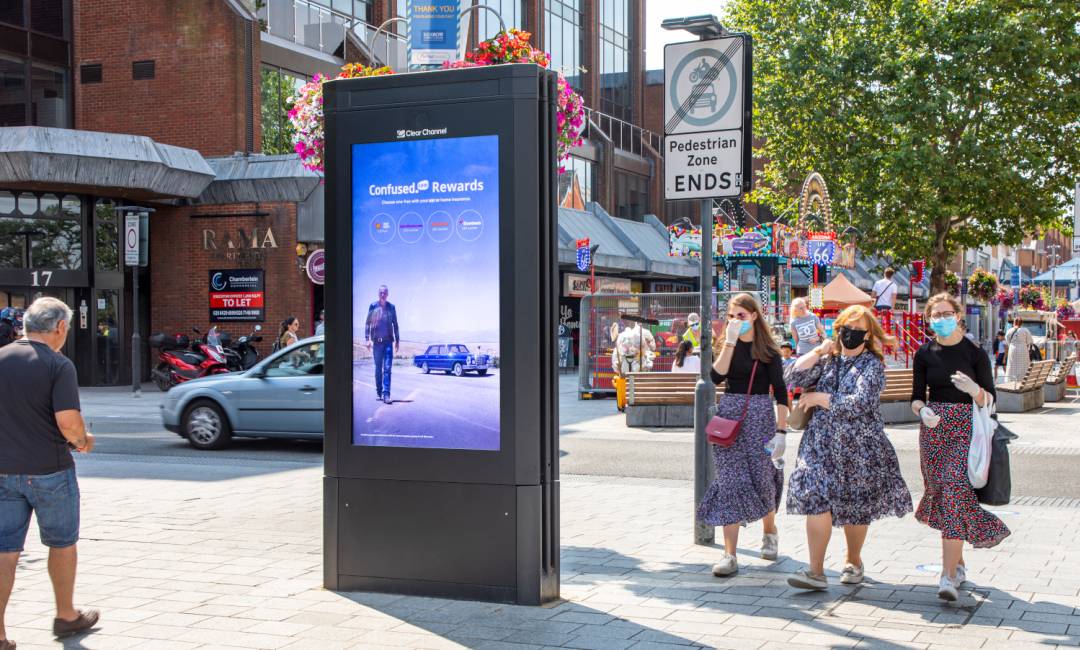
[207,554]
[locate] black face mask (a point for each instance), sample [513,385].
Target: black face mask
[850,338]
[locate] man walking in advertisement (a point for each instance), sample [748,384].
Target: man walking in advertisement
[384,340]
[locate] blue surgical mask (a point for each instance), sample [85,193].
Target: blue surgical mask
[744,328]
[944,327]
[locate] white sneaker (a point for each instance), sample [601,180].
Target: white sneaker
[961,575]
[947,589]
[770,546]
[803,579]
[851,575]
[728,565]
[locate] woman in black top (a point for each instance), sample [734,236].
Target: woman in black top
[748,484]
[957,373]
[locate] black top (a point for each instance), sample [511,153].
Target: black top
[935,363]
[769,375]
[382,325]
[36,383]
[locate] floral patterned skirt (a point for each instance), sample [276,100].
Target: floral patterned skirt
[747,485]
[848,467]
[949,503]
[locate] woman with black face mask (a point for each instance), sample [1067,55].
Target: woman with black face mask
[847,474]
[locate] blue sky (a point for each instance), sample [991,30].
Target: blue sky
[441,286]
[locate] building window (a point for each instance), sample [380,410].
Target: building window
[631,196]
[12,91]
[615,82]
[39,232]
[580,171]
[47,16]
[278,87]
[90,73]
[44,101]
[141,70]
[562,38]
[487,25]
[106,237]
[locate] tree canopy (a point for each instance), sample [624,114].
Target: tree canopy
[938,124]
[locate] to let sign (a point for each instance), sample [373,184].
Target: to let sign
[237,295]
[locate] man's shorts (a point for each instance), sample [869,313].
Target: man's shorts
[1000,360]
[54,498]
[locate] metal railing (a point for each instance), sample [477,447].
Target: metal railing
[621,134]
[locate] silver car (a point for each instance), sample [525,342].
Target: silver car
[280,397]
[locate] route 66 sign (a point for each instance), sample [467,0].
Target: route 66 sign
[584,256]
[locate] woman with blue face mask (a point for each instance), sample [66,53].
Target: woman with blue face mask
[957,373]
[748,482]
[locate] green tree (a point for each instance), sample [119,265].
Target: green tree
[277,87]
[938,124]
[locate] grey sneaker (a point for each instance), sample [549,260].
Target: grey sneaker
[727,566]
[947,589]
[851,575]
[803,579]
[961,574]
[386,399]
[770,546]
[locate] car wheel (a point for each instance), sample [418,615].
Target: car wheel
[206,426]
[458,371]
[426,369]
[481,372]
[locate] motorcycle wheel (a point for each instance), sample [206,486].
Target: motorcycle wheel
[161,377]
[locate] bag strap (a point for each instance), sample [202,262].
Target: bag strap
[749,387]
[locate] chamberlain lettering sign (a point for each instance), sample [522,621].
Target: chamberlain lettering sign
[707,103]
[237,295]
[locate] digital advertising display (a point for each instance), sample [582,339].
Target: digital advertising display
[425,282]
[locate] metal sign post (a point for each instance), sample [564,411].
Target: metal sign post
[136,246]
[707,142]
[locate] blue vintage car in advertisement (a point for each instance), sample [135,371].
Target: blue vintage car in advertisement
[453,359]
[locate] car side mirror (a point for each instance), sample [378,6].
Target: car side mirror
[259,373]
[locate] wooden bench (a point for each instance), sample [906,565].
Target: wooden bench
[661,399]
[1027,393]
[1054,389]
[896,396]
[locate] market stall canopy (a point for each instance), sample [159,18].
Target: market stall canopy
[842,293]
[1064,274]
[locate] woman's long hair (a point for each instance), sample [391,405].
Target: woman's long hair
[685,348]
[764,347]
[876,339]
[284,328]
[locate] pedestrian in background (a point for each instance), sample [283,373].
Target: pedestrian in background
[1001,348]
[957,374]
[287,333]
[320,329]
[1019,341]
[747,486]
[40,423]
[885,292]
[693,331]
[847,474]
[685,359]
[806,327]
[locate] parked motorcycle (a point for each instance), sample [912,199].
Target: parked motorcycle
[182,359]
[241,354]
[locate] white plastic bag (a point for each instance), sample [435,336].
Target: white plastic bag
[982,438]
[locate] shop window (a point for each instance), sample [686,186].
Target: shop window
[7,203]
[106,237]
[71,206]
[40,243]
[50,205]
[28,203]
[107,330]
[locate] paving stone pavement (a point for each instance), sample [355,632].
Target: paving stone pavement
[189,557]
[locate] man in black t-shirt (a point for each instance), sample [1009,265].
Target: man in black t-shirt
[40,422]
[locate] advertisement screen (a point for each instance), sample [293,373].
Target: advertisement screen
[426,293]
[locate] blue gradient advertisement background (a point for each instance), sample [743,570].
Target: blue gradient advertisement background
[443,282]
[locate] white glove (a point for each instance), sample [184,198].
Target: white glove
[965,383]
[778,446]
[734,326]
[929,418]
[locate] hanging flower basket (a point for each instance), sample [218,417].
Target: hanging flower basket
[952,283]
[511,46]
[1031,298]
[306,114]
[983,285]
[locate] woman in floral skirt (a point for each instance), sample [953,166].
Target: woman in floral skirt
[847,473]
[748,485]
[957,373]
